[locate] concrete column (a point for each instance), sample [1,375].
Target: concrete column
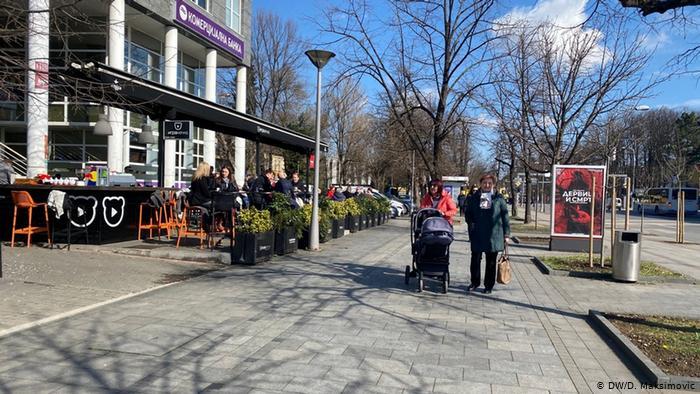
[170,80]
[37,88]
[115,142]
[210,94]
[239,143]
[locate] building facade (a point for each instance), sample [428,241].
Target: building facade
[178,43]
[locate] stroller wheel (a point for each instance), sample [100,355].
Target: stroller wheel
[444,284]
[448,278]
[408,273]
[420,281]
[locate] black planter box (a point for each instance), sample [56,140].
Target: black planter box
[338,228]
[253,248]
[326,236]
[352,223]
[304,239]
[372,220]
[286,241]
[380,218]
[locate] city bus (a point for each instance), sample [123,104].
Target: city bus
[664,200]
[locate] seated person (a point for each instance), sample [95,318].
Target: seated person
[200,188]
[225,182]
[261,189]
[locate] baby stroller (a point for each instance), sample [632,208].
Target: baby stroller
[431,237]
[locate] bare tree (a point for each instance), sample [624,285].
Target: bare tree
[347,123]
[275,90]
[424,62]
[648,7]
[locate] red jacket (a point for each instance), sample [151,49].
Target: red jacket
[446,205]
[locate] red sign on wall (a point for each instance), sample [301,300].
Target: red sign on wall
[312,161]
[573,194]
[41,75]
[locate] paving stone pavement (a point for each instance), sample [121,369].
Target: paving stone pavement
[340,320]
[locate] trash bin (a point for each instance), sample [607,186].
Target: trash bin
[627,254]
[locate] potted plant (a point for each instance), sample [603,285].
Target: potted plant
[337,213]
[365,207]
[325,228]
[353,216]
[325,224]
[254,237]
[287,223]
[383,207]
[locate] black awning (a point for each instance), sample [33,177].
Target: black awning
[120,89]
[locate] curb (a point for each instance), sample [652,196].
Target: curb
[78,311]
[650,371]
[547,270]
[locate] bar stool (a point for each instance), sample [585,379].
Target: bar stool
[192,223]
[155,213]
[23,200]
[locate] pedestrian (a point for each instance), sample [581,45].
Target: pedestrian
[440,200]
[6,172]
[489,230]
[460,201]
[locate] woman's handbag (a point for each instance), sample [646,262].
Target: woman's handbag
[504,275]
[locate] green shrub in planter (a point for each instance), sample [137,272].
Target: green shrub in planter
[325,227]
[287,222]
[254,237]
[337,212]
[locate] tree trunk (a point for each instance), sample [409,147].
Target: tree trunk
[528,197]
[511,181]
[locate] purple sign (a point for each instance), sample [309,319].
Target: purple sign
[189,16]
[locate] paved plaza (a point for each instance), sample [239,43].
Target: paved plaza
[339,320]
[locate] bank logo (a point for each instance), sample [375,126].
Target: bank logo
[85,210]
[183,12]
[113,210]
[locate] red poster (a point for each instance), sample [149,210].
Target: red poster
[312,161]
[41,75]
[573,192]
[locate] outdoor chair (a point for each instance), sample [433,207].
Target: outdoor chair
[23,200]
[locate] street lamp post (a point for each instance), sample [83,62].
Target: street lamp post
[319,58]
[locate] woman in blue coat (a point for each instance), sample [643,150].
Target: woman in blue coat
[489,229]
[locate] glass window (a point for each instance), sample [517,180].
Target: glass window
[202,3]
[65,136]
[13,135]
[137,156]
[57,112]
[92,139]
[233,15]
[11,111]
[96,153]
[66,153]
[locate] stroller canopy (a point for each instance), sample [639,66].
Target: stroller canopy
[436,225]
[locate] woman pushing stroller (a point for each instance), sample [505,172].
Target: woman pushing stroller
[439,199]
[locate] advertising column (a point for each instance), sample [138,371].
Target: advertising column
[571,210]
[37,88]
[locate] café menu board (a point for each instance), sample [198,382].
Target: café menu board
[572,196]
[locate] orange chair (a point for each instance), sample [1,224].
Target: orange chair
[192,223]
[23,200]
[159,215]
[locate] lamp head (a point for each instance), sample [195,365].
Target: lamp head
[146,136]
[642,108]
[102,126]
[319,57]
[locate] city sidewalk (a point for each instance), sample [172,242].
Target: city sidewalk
[339,320]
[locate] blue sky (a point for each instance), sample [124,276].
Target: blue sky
[679,92]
